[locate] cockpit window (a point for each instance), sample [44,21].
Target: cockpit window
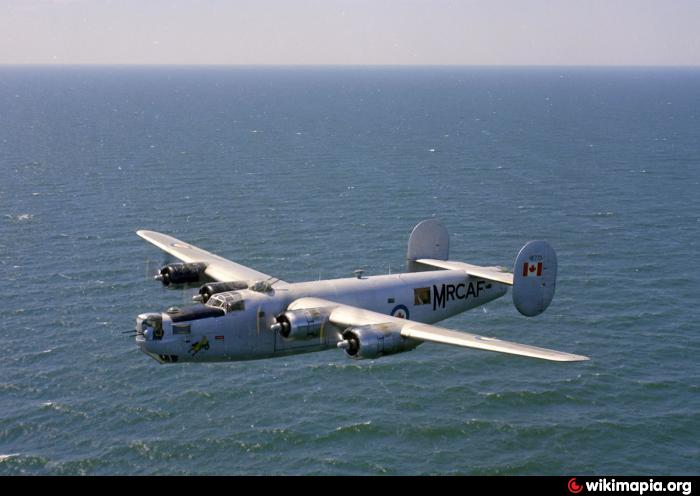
[229,301]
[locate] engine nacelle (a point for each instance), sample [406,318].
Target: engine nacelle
[182,274]
[301,324]
[208,290]
[366,342]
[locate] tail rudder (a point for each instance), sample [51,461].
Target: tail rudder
[429,239]
[534,278]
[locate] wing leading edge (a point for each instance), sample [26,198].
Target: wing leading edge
[466,340]
[218,268]
[344,316]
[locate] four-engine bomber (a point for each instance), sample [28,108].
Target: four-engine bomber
[243,314]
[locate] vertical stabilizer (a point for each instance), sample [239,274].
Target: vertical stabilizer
[429,239]
[534,278]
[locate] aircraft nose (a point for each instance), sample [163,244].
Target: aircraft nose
[153,348]
[144,339]
[149,332]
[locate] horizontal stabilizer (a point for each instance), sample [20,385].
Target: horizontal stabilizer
[497,274]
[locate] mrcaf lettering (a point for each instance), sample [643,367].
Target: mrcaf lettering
[451,292]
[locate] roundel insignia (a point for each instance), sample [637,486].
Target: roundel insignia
[400,311]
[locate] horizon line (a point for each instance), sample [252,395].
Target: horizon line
[371,65]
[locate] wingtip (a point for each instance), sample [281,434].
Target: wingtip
[577,358]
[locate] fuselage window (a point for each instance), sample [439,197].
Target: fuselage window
[421,296]
[181,328]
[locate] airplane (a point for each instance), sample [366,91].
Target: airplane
[242,314]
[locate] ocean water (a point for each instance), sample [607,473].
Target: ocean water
[308,173]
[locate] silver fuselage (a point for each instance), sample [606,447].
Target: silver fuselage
[246,334]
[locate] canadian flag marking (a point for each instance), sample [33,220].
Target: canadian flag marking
[532,269]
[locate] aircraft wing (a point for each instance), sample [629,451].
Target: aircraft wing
[496,274]
[218,268]
[344,316]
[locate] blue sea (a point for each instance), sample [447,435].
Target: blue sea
[313,172]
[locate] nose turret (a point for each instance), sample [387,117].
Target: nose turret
[149,334]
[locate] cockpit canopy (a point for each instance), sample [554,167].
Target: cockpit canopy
[229,301]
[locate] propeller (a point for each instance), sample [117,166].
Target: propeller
[153,267]
[350,345]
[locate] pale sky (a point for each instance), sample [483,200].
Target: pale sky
[444,32]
